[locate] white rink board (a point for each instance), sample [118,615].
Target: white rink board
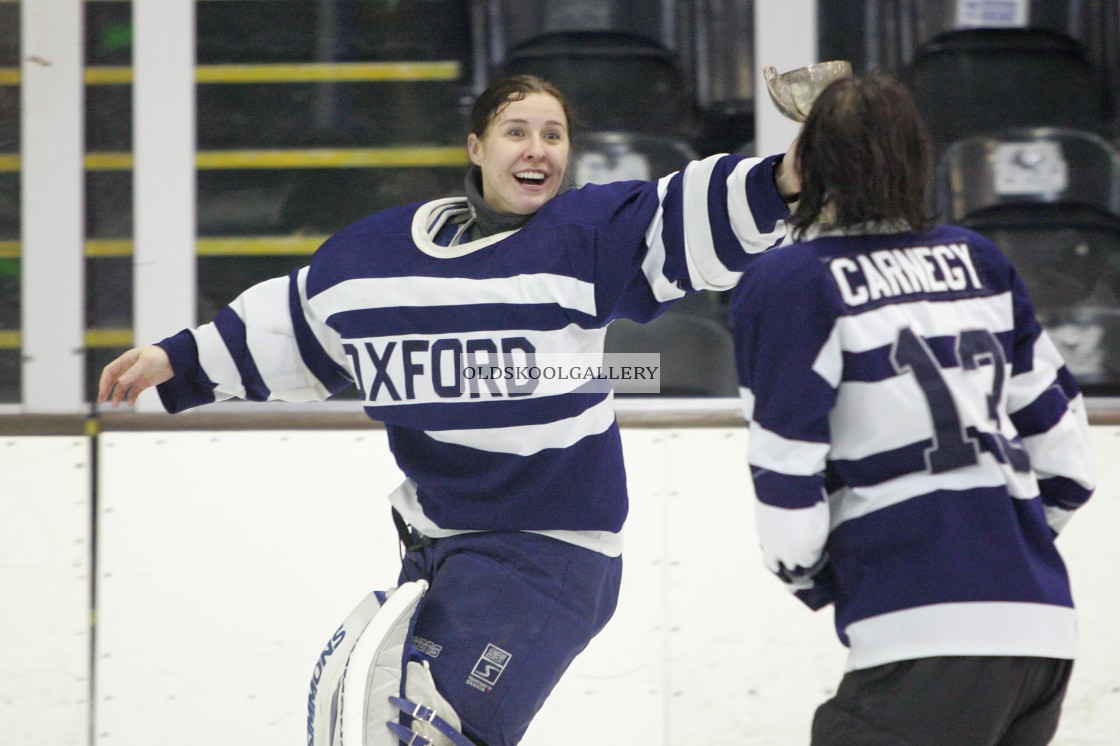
[44,591]
[227,559]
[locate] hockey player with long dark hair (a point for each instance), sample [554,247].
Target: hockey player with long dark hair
[916,443]
[515,498]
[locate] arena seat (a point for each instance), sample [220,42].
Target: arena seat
[695,344]
[601,157]
[1050,199]
[972,81]
[615,81]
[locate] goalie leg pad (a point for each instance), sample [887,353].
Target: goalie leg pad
[326,677]
[362,661]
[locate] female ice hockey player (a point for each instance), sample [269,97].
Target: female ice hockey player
[515,496]
[916,443]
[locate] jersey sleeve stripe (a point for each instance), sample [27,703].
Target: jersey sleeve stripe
[759,223]
[653,265]
[1063,450]
[216,363]
[673,234]
[706,268]
[830,361]
[765,206]
[771,452]
[787,491]
[1030,381]
[1060,492]
[330,374]
[1068,383]
[1041,414]
[261,337]
[728,248]
[233,332]
[190,387]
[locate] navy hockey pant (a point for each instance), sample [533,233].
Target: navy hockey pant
[504,617]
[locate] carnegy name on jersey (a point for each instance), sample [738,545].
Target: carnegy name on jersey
[889,273]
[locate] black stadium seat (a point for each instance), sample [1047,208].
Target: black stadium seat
[615,81]
[977,80]
[1050,199]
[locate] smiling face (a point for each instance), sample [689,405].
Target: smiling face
[523,154]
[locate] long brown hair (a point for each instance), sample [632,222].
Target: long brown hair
[864,156]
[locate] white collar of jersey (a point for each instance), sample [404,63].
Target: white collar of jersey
[430,219]
[874,227]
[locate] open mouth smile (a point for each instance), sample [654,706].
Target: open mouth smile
[531,178]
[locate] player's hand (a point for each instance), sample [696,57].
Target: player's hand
[133,372]
[785,177]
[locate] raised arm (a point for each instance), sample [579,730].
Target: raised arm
[695,229]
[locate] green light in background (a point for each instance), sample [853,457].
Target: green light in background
[116,36]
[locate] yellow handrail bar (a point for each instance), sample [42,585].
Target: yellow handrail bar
[214,246]
[296,72]
[211,160]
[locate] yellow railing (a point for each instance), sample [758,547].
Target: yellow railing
[94,338]
[307,72]
[354,72]
[212,160]
[212,247]
[216,246]
[280,158]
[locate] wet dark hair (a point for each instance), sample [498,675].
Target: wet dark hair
[865,151]
[514,88]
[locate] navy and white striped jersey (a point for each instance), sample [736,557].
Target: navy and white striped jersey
[393,304]
[915,444]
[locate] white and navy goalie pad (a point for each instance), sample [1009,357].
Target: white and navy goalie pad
[363,693]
